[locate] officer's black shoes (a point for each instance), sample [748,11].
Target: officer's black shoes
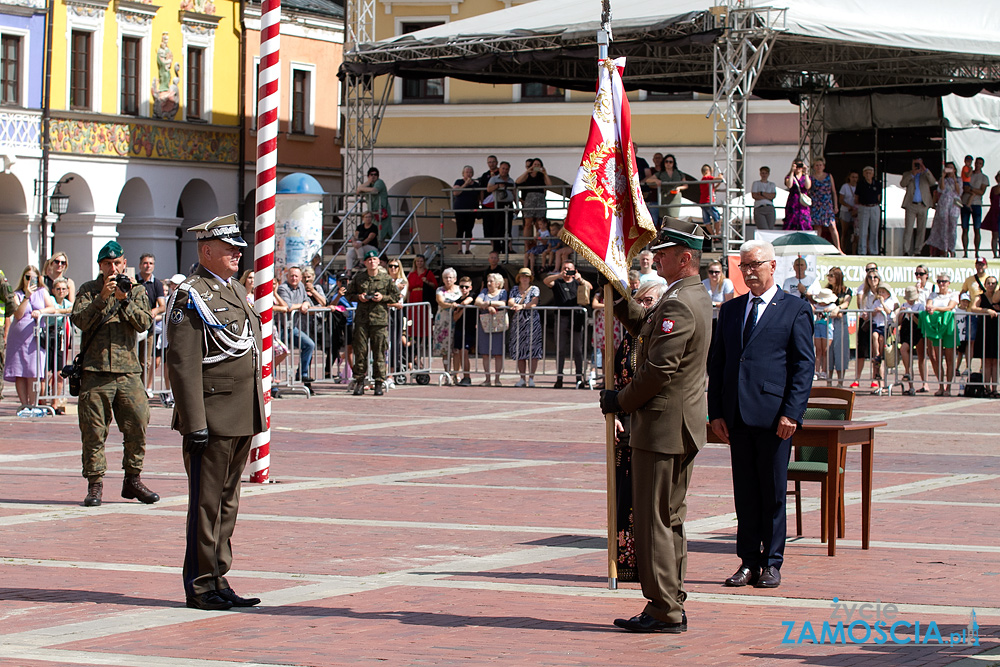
[230,595]
[745,576]
[646,623]
[770,577]
[558,384]
[359,388]
[95,487]
[379,388]
[133,487]
[210,601]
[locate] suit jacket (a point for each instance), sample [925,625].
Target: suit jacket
[772,376]
[927,181]
[666,398]
[226,397]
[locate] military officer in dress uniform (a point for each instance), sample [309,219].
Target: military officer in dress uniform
[111,311]
[374,291]
[214,364]
[666,401]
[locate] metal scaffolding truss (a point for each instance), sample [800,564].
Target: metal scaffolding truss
[363,107]
[739,56]
[812,127]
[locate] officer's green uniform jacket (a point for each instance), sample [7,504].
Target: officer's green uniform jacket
[370,312]
[225,396]
[113,347]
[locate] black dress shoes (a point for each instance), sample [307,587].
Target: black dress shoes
[770,577]
[209,601]
[646,623]
[743,577]
[230,595]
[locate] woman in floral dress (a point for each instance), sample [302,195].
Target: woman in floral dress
[946,210]
[824,203]
[447,296]
[797,215]
[525,327]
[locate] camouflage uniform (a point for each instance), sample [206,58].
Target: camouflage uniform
[6,310]
[111,383]
[371,322]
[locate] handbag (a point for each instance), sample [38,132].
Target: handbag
[804,199]
[381,214]
[494,322]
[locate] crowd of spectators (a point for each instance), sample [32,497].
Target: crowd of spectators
[848,217]
[935,322]
[38,337]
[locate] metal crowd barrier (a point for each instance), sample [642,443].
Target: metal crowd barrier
[324,334]
[553,332]
[908,357]
[56,342]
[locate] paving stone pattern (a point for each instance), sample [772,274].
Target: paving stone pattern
[466,526]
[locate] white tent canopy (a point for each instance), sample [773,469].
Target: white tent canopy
[918,24]
[890,45]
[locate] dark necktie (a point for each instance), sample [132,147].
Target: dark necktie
[751,319]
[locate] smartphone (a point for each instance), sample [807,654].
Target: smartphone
[33,282]
[130,272]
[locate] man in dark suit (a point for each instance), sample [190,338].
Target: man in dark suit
[666,400]
[214,364]
[760,374]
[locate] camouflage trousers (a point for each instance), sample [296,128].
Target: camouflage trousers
[103,395]
[377,337]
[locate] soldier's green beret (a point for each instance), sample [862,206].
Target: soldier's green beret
[111,250]
[371,253]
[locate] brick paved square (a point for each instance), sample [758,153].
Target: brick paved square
[397,533]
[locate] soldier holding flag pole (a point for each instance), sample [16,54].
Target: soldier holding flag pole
[608,224]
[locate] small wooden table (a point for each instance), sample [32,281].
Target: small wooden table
[836,436]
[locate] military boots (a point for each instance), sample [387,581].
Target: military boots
[133,487]
[95,487]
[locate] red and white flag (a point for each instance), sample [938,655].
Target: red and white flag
[607,221]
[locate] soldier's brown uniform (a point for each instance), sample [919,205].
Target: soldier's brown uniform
[224,396]
[668,408]
[111,382]
[371,322]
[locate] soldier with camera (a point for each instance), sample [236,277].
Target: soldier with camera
[111,311]
[374,291]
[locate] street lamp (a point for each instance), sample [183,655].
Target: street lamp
[58,202]
[58,205]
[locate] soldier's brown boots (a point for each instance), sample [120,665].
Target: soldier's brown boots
[95,486]
[133,487]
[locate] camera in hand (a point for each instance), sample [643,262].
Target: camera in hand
[570,272]
[123,282]
[369,296]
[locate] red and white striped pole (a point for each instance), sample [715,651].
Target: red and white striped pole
[263,255]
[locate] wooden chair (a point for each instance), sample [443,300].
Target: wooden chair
[810,464]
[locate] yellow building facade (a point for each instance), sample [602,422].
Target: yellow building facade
[145,110]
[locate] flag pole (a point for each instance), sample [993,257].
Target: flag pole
[603,36]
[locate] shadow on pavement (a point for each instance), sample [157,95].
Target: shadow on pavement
[70,596]
[432,619]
